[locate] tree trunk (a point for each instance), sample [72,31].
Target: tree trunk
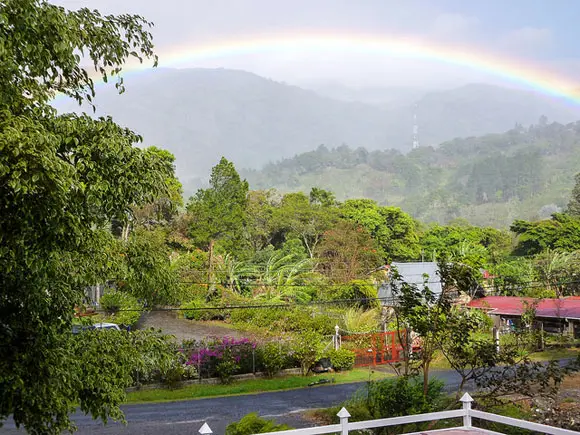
[210,285]
[426,378]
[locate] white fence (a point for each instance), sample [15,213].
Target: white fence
[466,413]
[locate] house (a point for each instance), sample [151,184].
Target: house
[555,315]
[418,273]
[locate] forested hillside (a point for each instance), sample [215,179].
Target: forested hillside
[524,173]
[202,114]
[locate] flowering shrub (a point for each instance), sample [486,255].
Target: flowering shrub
[222,357]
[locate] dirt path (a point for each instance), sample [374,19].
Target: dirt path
[183,329]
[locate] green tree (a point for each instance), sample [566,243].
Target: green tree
[298,217]
[218,213]
[150,277]
[574,204]
[322,197]
[393,229]
[62,179]
[560,232]
[347,252]
[165,207]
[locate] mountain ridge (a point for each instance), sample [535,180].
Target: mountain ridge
[203,114]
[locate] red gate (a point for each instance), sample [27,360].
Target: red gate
[377,348]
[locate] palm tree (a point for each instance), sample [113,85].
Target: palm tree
[283,277]
[555,266]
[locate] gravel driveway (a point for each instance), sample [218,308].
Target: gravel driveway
[182,329]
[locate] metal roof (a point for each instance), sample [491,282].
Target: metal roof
[414,273]
[563,308]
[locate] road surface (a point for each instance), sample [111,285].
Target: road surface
[186,417]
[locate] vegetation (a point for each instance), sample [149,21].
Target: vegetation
[248,386]
[82,206]
[525,173]
[120,308]
[63,179]
[251,424]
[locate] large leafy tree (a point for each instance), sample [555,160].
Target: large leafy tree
[218,213]
[393,229]
[299,216]
[62,180]
[560,232]
[347,252]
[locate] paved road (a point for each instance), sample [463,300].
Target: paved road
[186,417]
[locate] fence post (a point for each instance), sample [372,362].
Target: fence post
[343,414]
[496,338]
[336,338]
[205,430]
[466,400]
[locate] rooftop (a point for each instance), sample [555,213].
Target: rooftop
[564,308]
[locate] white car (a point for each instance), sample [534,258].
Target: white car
[78,328]
[106,326]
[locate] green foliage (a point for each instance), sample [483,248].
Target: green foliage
[191,310]
[281,319]
[526,173]
[356,320]
[298,217]
[219,212]
[62,179]
[560,232]
[462,242]
[252,424]
[307,349]
[341,359]
[403,396]
[513,276]
[347,252]
[150,277]
[394,398]
[273,357]
[120,308]
[394,231]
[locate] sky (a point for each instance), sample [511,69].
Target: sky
[542,34]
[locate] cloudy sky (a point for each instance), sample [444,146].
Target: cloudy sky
[541,33]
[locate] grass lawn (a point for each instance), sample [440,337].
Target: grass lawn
[556,354]
[441,363]
[250,386]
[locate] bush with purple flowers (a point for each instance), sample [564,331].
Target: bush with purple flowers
[221,357]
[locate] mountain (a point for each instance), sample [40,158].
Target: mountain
[202,114]
[523,173]
[387,97]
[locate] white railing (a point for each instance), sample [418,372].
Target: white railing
[466,413]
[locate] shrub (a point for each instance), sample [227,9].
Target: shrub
[285,319]
[357,320]
[402,396]
[222,357]
[190,312]
[341,359]
[273,357]
[121,308]
[307,349]
[252,424]
[365,291]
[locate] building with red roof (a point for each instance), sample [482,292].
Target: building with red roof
[554,314]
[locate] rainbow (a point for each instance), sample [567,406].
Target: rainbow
[532,76]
